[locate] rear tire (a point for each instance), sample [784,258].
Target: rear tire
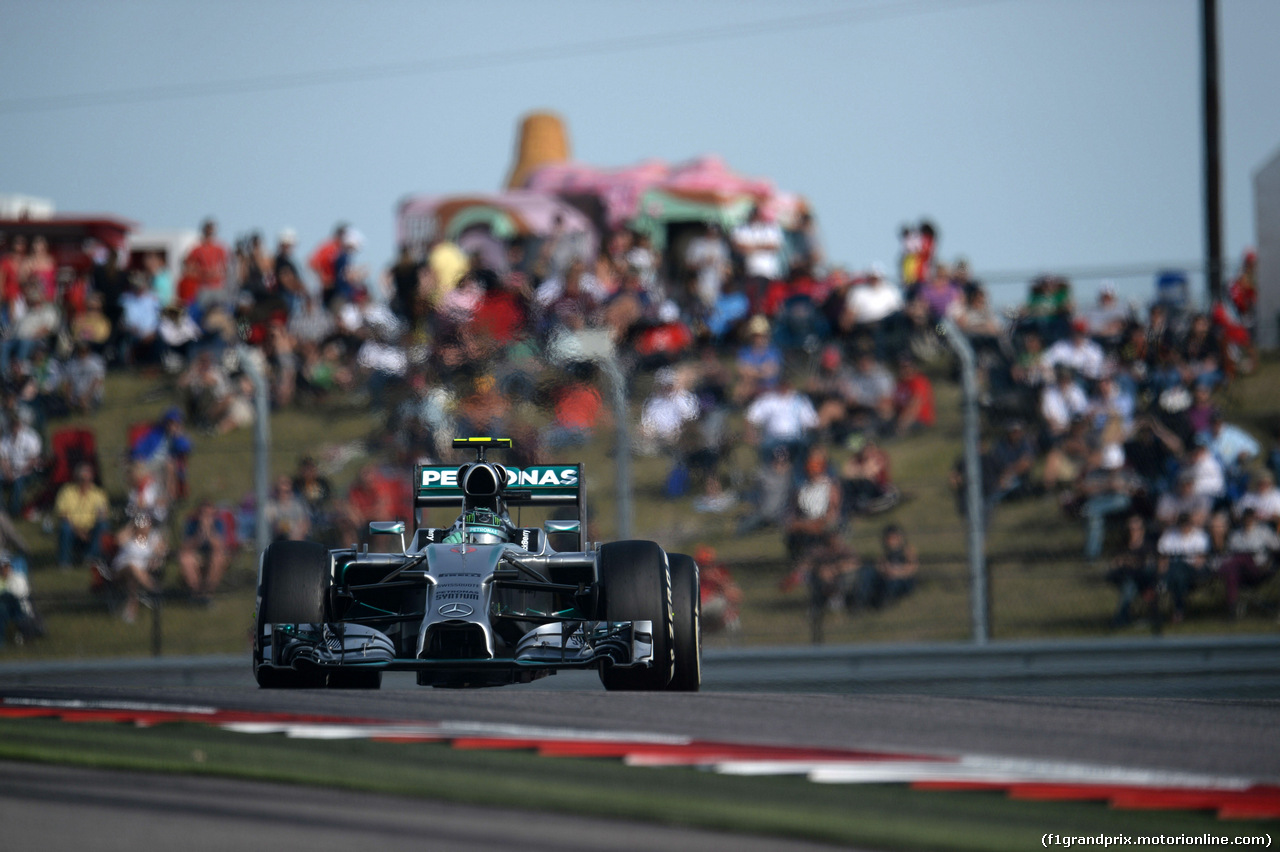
[635,585]
[295,590]
[687,605]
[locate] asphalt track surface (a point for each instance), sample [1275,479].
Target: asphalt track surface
[1221,737]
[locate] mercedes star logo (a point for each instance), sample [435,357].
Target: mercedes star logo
[455,610]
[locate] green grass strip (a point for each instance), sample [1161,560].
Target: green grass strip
[882,816]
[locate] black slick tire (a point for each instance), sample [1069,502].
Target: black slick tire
[295,590]
[686,601]
[635,585]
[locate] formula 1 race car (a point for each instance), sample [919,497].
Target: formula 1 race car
[483,602]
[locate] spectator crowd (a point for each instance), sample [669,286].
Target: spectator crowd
[772,381]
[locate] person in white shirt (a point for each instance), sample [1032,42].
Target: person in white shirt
[20,450]
[1182,550]
[874,299]
[781,416]
[759,241]
[1062,402]
[1078,352]
[1206,470]
[1263,498]
[665,412]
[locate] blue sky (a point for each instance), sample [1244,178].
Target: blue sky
[1038,134]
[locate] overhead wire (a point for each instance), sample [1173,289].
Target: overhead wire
[479,61]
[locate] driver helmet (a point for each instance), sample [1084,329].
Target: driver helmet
[480,526]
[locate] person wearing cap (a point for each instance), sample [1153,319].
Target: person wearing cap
[165,448]
[1078,352]
[758,363]
[81,509]
[141,549]
[872,300]
[781,416]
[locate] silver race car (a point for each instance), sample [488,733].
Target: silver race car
[483,602]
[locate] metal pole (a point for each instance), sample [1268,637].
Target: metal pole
[1212,151]
[976,508]
[261,447]
[622,419]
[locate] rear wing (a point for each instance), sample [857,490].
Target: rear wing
[537,485]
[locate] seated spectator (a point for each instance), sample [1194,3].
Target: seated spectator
[781,417]
[164,448]
[1209,478]
[1251,559]
[91,326]
[140,553]
[1183,550]
[15,604]
[146,493]
[912,399]
[1234,448]
[86,374]
[372,497]
[1013,456]
[178,334]
[758,364]
[287,516]
[1133,570]
[893,575]
[815,511]
[577,409]
[865,478]
[720,595]
[665,413]
[81,509]
[870,406]
[1183,500]
[203,555]
[1062,402]
[1152,451]
[139,322]
[20,454]
[830,570]
[1263,498]
[1106,490]
[1078,353]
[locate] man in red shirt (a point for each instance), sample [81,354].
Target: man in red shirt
[912,399]
[208,260]
[324,259]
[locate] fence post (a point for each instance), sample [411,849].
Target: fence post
[975,505]
[261,446]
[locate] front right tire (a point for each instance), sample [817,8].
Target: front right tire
[635,585]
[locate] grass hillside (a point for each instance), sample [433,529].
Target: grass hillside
[1039,585]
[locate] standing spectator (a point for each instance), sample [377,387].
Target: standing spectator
[146,493]
[81,508]
[208,262]
[323,260]
[139,560]
[287,516]
[19,457]
[159,278]
[203,556]
[865,478]
[759,242]
[288,280]
[707,258]
[1183,499]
